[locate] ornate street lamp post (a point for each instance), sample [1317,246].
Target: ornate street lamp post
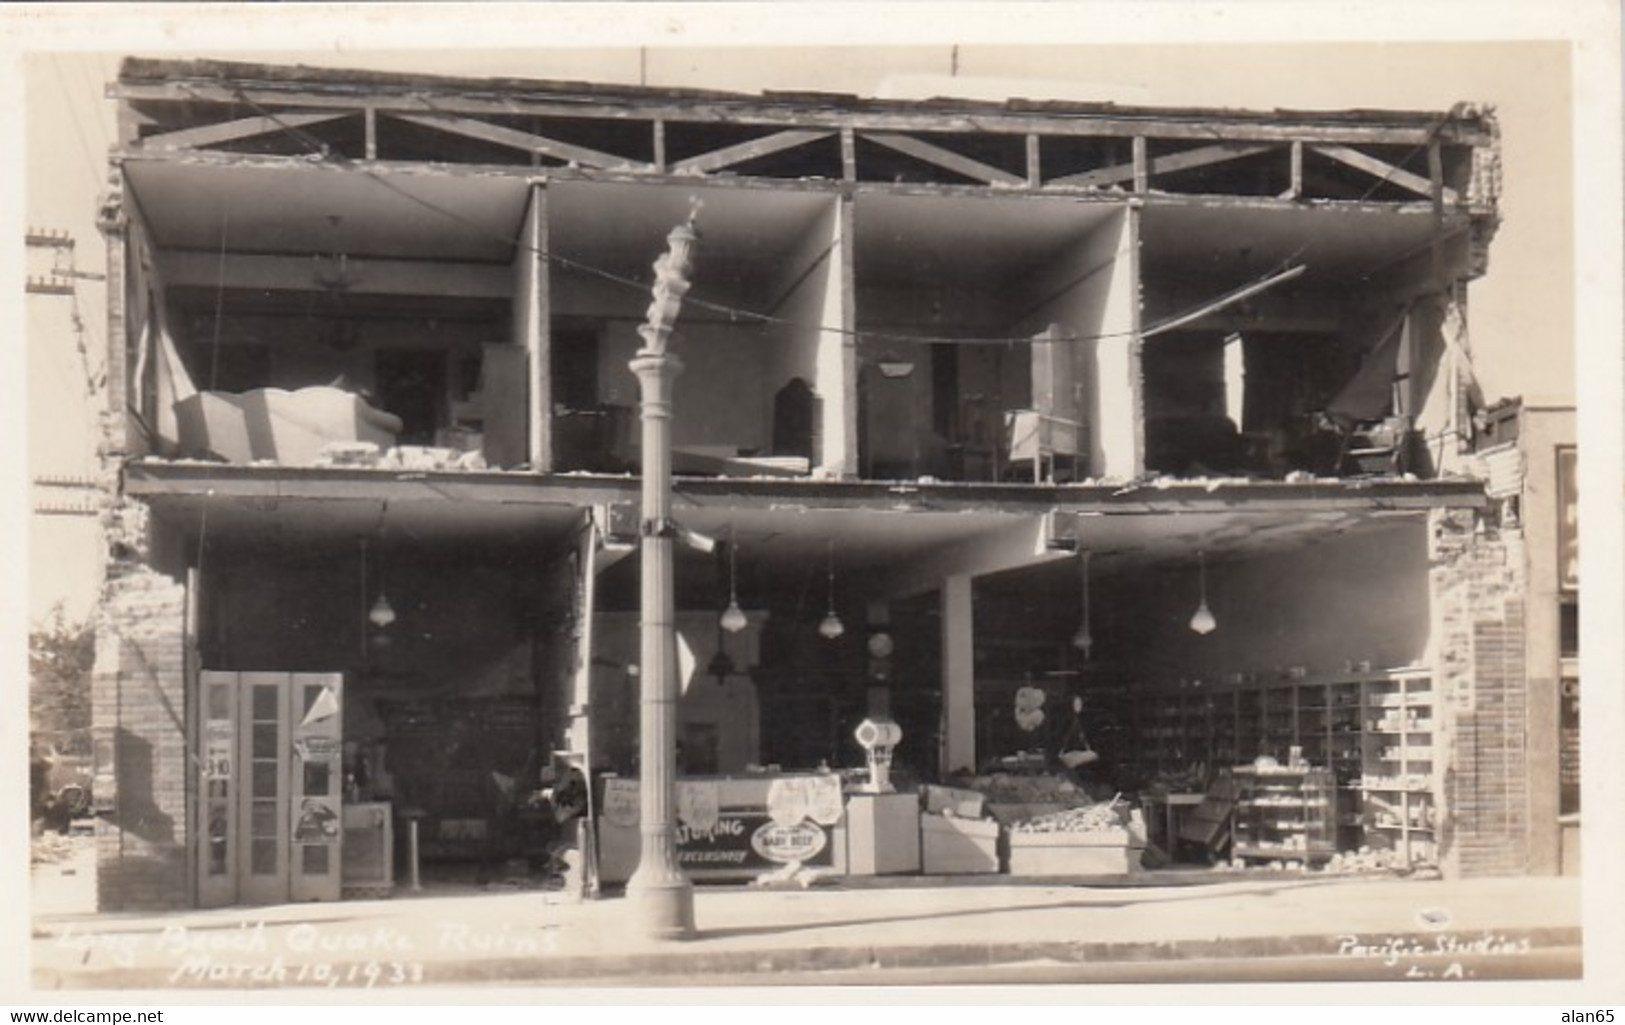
[663,896]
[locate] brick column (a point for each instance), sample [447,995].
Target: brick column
[139,717]
[1478,598]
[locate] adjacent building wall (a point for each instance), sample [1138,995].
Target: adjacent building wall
[139,703]
[1479,616]
[1543,433]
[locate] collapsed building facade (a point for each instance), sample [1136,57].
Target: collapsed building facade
[995,394]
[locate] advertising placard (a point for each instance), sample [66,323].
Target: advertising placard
[1568,520]
[749,841]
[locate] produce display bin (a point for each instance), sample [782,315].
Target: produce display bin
[1101,852]
[951,846]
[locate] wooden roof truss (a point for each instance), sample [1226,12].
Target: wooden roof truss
[1448,162]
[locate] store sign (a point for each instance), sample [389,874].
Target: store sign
[749,841]
[1568,520]
[1568,751]
[801,842]
[621,802]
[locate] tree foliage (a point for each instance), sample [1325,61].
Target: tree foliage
[61,655]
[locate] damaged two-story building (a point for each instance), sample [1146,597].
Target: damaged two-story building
[978,399]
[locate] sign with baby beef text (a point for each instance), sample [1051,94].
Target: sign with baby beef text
[749,841]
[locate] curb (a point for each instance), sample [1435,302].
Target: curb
[705,967]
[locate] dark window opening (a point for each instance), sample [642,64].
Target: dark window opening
[588,434]
[412,385]
[1568,629]
[574,366]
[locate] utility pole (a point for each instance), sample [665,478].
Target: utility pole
[662,895]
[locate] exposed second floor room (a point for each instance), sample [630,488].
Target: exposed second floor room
[324,268]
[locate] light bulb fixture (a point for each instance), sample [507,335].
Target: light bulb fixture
[1203,622]
[1083,640]
[733,617]
[831,627]
[382,613]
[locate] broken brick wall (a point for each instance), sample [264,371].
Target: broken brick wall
[1479,589]
[139,712]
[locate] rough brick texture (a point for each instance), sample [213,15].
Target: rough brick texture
[139,712]
[1478,620]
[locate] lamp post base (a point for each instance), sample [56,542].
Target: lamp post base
[663,908]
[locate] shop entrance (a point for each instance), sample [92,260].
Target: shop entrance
[271,762]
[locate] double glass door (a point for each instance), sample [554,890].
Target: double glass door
[271,765]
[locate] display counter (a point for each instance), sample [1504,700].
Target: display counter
[732,827]
[369,850]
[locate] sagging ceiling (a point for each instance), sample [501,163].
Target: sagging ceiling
[780,538]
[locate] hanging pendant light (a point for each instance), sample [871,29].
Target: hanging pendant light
[1203,622]
[733,617]
[831,627]
[382,613]
[1084,640]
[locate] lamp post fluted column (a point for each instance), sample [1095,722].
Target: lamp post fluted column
[662,895]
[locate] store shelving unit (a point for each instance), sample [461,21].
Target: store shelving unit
[1187,728]
[1398,781]
[1284,814]
[1373,732]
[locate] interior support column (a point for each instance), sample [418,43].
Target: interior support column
[532,314]
[958,675]
[838,355]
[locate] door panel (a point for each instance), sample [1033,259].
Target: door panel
[217,877]
[262,867]
[314,705]
[270,788]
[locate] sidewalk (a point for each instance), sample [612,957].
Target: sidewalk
[747,935]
